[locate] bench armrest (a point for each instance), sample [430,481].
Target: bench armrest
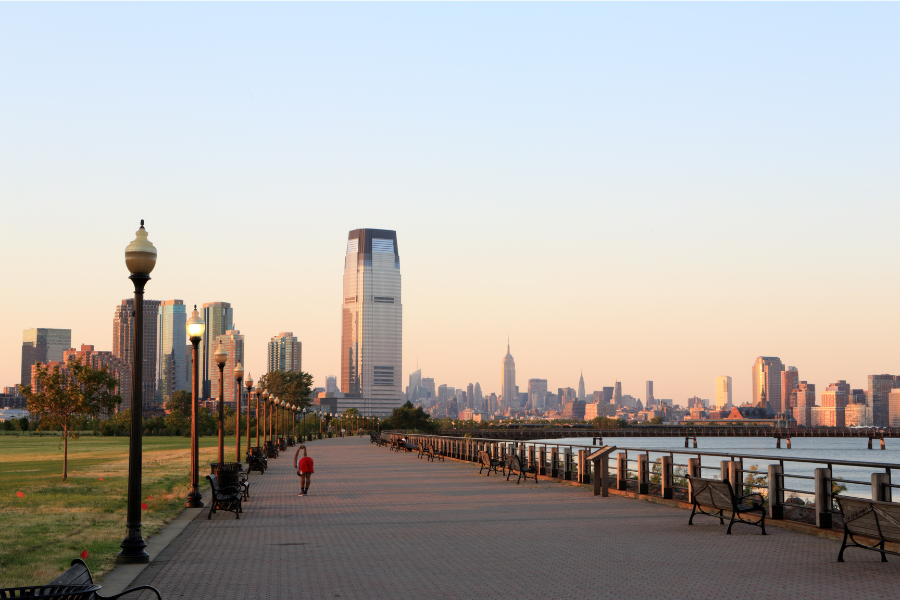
[142,587]
[756,495]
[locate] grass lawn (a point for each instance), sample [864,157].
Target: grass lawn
[53,522]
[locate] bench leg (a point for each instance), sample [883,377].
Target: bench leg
[883,557]
[762,520]
[733,514]
[843,546]
[693,512]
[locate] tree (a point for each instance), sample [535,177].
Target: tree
[293,387]
[65,394]
[656,421]
[180,402]
[410,417]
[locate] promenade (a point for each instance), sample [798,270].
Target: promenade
[382,525]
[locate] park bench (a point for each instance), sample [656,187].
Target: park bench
[719,496]
[271,450]
[870,518]
[291,441]
[282,444]
[79,575]
[224,497]
[255,462]
[489,463]
[232,474]
[517,467]
[373,439]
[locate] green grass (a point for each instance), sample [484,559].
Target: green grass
[42,531]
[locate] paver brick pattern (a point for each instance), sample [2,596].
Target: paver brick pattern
[383,525]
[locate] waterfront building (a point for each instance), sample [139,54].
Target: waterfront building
[766,379]
[894,408]
[836,395]
[508,379]
[537,392]
[581,388]
[806,400]
[857,415]
[285,353]
[372,317]
[877,397]
[828,416]
[790,377]
[650,400]
[42,345]
[219,318]
[723,392]
[172,372]
[574,410]
[123,342]
[233,341]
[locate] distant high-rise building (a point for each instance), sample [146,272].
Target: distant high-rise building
[372,317]
[444,393]
[650,399]
[470,396]
[617,394]
[331,384]
[43,345]
[836,395]
[508,379]
[171,371]
[233,341]
[428,384]
[415,381]
[123,342]
[894,408]
[219,318]
[790,377]
[285,353]
[766,376]
[806,400]
[478,396]
[493,406]
[101,359]
[608,394]
[581,392]
[877,397]
[537,391]
[723,392]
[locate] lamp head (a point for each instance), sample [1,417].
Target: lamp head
[258,390]
[140,254]
[221,355]
[265,394]
[195,325]
[249,383]
[238,372]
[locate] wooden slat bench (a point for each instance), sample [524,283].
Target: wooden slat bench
[224,497]
[491,464]
[80,574]
[870,518]
[522,471]
[720,497]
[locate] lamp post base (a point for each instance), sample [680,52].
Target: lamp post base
[133,551]
[194,499]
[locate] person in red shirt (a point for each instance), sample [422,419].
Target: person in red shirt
[304,469]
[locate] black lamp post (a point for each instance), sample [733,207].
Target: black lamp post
[238,377]
[265,397]
[249,385]
[195,328]
[140,258]
[304,423]
[258,391]
[221,356]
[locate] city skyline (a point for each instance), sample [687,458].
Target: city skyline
[674,195]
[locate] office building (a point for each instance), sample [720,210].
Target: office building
[581,393]
[828,416]
[331,384]
[766,379]
[470,396]
[123,342]
[415,381]
[101,359]
[537,391]
[233,341]
[806,400]
[608,394]
[617,393]
[836,395]
[723,392]
[172,372]
[650,399]
[508,379]
[219,318]
[877,397]
[372,317]
[790,377]
[42,345]
[479,398]
[857,415]
[444,393]
[428,384]
[285,353]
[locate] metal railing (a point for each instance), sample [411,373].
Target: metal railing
[798,489]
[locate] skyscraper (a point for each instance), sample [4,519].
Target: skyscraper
[285,353]
[331,384]
[608,394]
[234,345]
[171,368]
[478,397]
[508,379]
[581,393]
[766,376]
[877,397]
[650,399]
[470,396]
[790,378]
[617,393]
[537,391]
[415,381]
[723,392]
[372,318]
[219,318]
[42,346]
[123,342]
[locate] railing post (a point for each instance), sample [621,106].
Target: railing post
[694,471]
[736,477]
[643,474]
[542,458]
[776,492]
[601,476]
[725,476]
[582,470]
[823,498]
[530,454]
[666,475]
[881,491]
[567,463]
[621,471]
[554,461]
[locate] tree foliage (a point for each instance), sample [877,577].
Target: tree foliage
[63,395]
[181,402]
[410,417]
[293,387]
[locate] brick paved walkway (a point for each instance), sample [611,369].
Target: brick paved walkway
[381,525]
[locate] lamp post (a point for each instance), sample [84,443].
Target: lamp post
[140,258]
[265,397]
[221,357]
[258,390]
[195,328]
[304,422]
[249,385]
[276,406]
[238,376]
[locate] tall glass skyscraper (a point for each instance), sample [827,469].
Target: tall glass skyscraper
[171,367]
[219,319]
[42,345]
[372,317]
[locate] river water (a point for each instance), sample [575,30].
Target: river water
[820,449]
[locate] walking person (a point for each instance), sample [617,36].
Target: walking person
[304,468]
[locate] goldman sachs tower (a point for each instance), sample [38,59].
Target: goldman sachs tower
[371,323]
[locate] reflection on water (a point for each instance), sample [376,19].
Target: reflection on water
[822,449]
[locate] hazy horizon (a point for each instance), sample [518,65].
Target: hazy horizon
[638,191]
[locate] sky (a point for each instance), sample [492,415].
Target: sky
[636,191]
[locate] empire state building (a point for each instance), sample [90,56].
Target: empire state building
[509,379]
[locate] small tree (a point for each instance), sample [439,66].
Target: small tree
[181,402]
[293,387]
[63,395]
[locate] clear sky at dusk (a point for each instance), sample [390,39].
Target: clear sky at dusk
[641,191]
